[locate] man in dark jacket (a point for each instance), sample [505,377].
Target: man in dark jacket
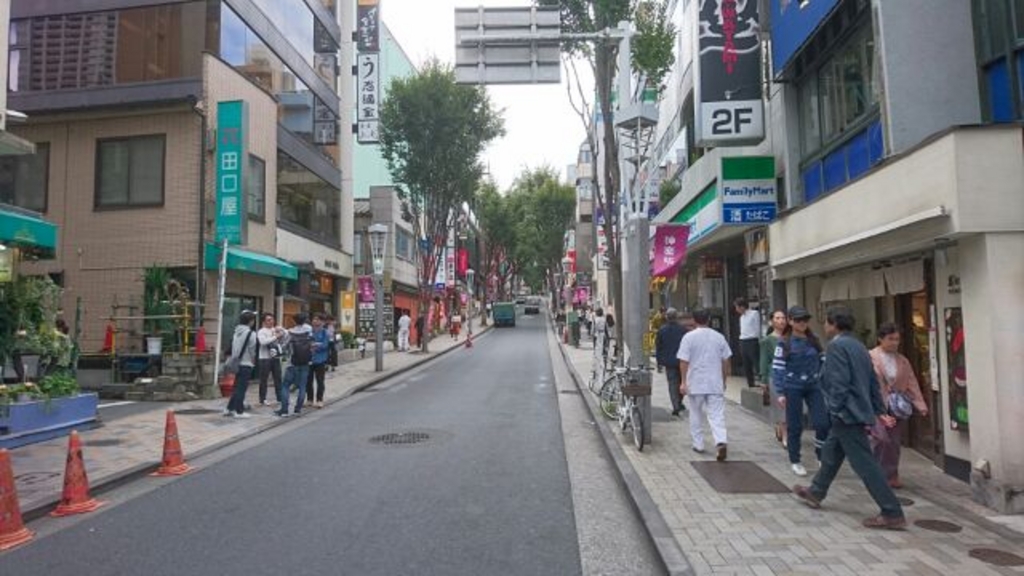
[855,403]
[666,346]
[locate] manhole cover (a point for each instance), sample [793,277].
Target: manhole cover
[996,557]
[104,442]
[400,438]
[939,526]
[568,391]
[905,501]
[196,411]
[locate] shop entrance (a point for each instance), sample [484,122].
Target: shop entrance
[914,314]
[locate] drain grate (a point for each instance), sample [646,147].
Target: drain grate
[103,442]
[905,501]
[996,557]
[939,526]
[400,438]
[196,411]
[568,391]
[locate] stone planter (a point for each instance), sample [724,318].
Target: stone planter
[38,420]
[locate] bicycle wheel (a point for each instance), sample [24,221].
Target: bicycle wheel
[638,427]
[609,397]
[622,412]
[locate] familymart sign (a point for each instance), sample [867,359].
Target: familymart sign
[749,192]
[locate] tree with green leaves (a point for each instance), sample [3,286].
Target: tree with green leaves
[497,219]
[432,133]
[548,210]
[651,58]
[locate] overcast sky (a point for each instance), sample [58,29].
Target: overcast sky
[541,126]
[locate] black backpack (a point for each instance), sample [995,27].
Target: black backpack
[302,349]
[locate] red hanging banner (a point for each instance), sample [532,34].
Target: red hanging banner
[669,249]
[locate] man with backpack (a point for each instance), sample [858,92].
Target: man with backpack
[299,345]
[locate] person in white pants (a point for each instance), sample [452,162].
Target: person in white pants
[703,364]
[404,323]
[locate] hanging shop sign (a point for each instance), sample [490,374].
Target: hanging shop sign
[348,312]
[366,318]
[729,109]
[755,247]
[232,161]
[325,124]
[669,249]
[365,287]
[368,26]
[368,98]
[748,190]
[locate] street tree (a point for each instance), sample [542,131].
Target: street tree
[496,215]
[548,209]
[432,133]
[652,57]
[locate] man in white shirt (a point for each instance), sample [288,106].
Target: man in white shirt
[750,336]
[404,324]
[703,365]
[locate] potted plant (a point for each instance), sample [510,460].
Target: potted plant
[155,303]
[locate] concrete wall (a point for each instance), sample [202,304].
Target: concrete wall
[929,68]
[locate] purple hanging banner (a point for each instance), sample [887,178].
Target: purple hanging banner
[669,249]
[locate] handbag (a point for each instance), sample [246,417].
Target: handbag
[900,406]
[232,364]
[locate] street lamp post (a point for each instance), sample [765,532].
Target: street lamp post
[470,274]
[378,248]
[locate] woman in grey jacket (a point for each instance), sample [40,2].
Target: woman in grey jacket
[243,347]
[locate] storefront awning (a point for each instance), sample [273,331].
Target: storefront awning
[26,231]
[250,262]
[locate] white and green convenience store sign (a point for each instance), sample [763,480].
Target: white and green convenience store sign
[703,214]
[749,193]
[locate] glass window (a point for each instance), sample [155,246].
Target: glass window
[84,50]
[256,204]
[1018,18]
[130,171]
[810,122]
[307,202]
[403,241]
[295,22]
[357,251]
[843,92]
[23,179]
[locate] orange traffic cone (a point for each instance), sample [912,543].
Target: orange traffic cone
[173,463]
[12,529]
[76,499]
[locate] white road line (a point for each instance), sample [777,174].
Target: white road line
[124,403]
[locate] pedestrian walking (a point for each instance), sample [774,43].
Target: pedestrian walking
[854,401]
[332,347]
[454,325]
[750,335]
[703,365]
[299,347]
[243,354]
[767,349]
[666,346]
[600,334]
[318,364]
[796,377]
[901,393]
[404,324]
[271,338]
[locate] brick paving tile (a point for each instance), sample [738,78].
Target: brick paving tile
[774,534]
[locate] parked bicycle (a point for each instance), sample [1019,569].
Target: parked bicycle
[618,396]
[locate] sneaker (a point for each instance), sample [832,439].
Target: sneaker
[226,412]
[264,403]
[282,414]
[798,469]
[698,450]
[885,523]
[803,493]
[242,415]
[723,453]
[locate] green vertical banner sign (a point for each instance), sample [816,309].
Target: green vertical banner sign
[232,160]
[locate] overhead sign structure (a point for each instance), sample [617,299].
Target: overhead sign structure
[749,193]
[232,160]
[727,90]
[519,45]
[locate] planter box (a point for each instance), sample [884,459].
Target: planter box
[24,423]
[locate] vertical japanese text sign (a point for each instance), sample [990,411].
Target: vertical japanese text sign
[368,26]
[368,97]
[232,160]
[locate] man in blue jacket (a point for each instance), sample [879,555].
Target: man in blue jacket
[854,402]
[666,346]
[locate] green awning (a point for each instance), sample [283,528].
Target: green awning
[25,231]
[250,262]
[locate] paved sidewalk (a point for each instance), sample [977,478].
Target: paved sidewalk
[764,534]
[133,445]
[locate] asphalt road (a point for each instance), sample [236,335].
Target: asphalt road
[487,491]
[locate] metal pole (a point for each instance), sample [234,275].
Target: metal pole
[222,280]
[378,313]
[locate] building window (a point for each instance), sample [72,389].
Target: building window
[130,171]
[306,203]
[357,251]
[999,41]
[256,203]
[841,95]
[23,179]
[403,244]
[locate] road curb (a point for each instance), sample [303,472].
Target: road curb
[668,550]
[112,481]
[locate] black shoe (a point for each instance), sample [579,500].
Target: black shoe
[722,453]
[675,412]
